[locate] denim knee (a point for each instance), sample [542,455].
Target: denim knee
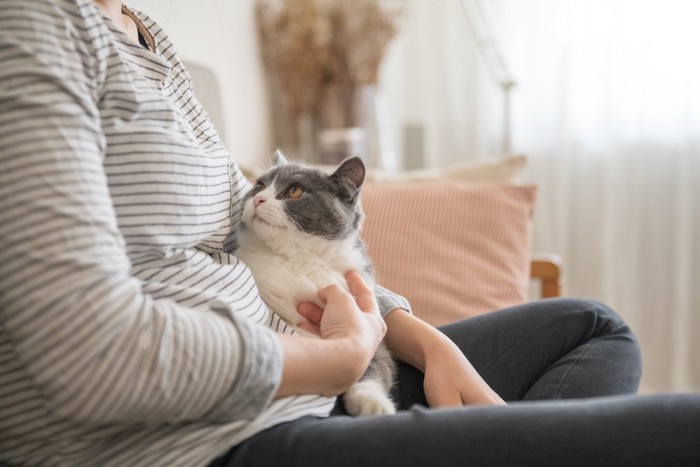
[608,324]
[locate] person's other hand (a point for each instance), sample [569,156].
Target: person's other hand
[451,381]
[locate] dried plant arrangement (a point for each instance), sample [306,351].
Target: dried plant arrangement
[318,53]
[294,46]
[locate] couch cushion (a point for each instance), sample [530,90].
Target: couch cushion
[455,250]
[483,169]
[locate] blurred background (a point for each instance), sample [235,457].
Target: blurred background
[603,96]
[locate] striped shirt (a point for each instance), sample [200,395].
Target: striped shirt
[127,335]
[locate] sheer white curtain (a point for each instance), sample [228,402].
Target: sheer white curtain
[436,84]
[607,107]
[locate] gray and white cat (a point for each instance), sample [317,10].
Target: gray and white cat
[299,232]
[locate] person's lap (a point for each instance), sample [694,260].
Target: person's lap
[614,430]
[555,349]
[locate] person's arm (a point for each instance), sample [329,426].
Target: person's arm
[389,301]
[95,346]
[450,380]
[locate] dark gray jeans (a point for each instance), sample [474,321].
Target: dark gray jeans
[533,355]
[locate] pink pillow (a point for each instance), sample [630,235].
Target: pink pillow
[455,250]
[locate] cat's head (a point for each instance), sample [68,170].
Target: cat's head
[298,200]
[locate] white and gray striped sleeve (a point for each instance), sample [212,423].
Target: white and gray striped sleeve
[389,301]
[97,348]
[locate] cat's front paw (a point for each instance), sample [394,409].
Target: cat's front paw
[368,398]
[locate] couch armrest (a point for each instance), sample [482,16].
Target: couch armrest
[547,270]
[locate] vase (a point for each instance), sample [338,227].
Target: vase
[306,147]
[371,114]
[337,144]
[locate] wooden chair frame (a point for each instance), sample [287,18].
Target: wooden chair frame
[546,269]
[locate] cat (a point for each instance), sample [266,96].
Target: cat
[299,232]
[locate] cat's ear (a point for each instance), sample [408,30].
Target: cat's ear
[350,175]
[279,158]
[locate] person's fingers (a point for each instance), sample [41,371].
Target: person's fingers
[310,328]
[332,291]
[445,398]
[310,311]
[362,293]
[455,401]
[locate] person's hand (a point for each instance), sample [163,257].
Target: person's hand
[313,314]
[352,315]
[451,381]
[350,329]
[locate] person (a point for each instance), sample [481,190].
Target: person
[130,337]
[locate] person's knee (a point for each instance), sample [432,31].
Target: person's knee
[605,316]
[609,327]
[608,321]
[605,320]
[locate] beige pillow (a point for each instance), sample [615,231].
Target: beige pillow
[503,169]
[455,250]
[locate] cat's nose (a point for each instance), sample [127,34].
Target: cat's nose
[257,200]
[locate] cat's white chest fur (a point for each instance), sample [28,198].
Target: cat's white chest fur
[292,272]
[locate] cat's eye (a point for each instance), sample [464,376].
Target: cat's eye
[294,192]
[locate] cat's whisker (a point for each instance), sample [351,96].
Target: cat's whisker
[304,235]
